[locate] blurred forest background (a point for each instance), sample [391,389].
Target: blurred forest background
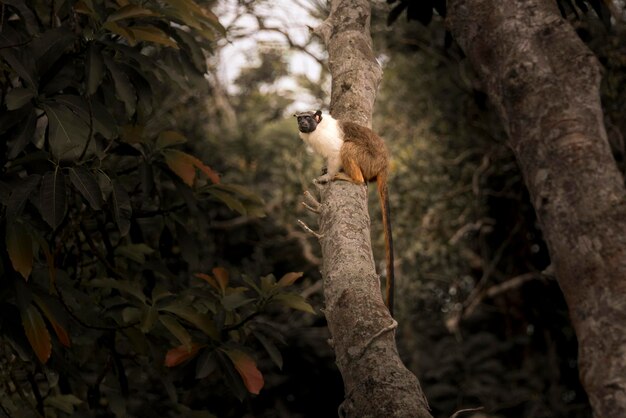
[153,265]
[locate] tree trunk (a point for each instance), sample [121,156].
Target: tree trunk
[376,382]
[545,84]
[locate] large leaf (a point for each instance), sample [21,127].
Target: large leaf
[103,122]
[246,367]
[18,97]
[20,248]
[55,316]
[20,193]
[94,68]
[36,332]
[184,165]
[85,182]
[23,64]
[199,320]
[124,89]
[177,330]
[192,48]
[49,47]
[130,11]
[122,210]
[24,133]
[294,301]
[151,34]
[271,349]
[67,133]
[52,197]
[289,279]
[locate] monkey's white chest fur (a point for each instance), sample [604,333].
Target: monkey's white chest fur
[326,139]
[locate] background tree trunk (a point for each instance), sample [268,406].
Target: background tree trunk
[545,84]
[376,382]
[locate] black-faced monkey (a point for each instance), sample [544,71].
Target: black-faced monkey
[363,156]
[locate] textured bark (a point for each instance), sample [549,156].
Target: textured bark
[545,84]
[376,382]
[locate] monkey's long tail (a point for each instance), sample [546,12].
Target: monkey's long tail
[384,205]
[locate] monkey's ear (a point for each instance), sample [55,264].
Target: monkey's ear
[318,116]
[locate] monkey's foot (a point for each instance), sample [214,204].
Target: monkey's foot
[323,179]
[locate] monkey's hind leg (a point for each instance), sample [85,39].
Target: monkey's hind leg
[352,173]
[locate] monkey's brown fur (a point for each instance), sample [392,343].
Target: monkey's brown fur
[364,158]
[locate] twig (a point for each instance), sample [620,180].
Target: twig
[460,411]
[309,230]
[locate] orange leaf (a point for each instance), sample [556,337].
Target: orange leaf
[182,164]
[209,279]
[221,275]
[289,279]
[59,330]
[180,354]
[20,248]
[36,332]
[245,365]
[212,175]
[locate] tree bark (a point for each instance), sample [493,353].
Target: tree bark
[544,83]
[376,382]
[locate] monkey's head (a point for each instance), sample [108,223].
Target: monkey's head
[308,121]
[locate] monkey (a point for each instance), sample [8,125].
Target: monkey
[363,156]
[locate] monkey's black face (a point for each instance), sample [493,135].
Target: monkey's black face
[308,121]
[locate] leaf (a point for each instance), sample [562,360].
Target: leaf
[52,197]
[182,165]
[103,122]
[169,139]
[94,68]
[232,202]
[271,349]
[121,31]
[67,134]
[180,354]
[294,301]
[289,279]
[199,320]
[135,252]
[246,367]
[221,275]
[149,317]
[54,319]
[209,279]
[234,301]
[191,48]
[132,288]
[36,332]
[20,248]
[20,194]
[86,183]
[23,64]
[65,403]
[206,364]
[122,210]
[177,330]
[124,89]
[130,11]
[24,133]
[151,34]
[18,97]
[50,46]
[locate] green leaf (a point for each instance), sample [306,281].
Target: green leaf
[122,210]
[67,134]
[132,288]
[36,332]
[52,197]
[200,321]
[192,48]
[18,97]
[271,349]
[149,318]
[130,11]
[86,183]
[123,87]
[20,248]
[94,68]
[50,46]
[23,64]
[65,403]
[103,122]
[177,330]
[135,252]
[293,301]
[24,133]
[289,279]
[151,34]
[206,364]
[20,194]
[235,300]
[232,202]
